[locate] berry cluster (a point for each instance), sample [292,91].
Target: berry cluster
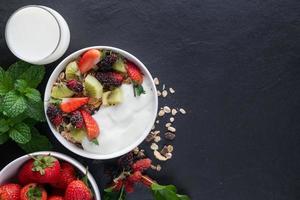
[54,114]
[109,79]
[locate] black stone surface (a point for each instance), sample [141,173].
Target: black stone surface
[235,67]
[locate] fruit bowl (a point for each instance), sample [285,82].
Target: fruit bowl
[122,89]
[9,172]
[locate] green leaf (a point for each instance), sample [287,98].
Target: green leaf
[3,126]
[33,94]
[138,90]
[121,195]
[38,142]
[35,110]
[6,83]
[33,75]
[168,192]
[20,133]
[17,69]
[13,104]
[21,85]
[3,138]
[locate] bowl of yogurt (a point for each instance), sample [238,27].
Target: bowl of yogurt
[100,102]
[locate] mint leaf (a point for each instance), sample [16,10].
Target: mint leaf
[20,133]
[33,75]
[38,142]
[138,90]
[13,104]
[21,85]
[3,138]
[17,69]
[6,83]
[35,110]
[3,126]
[33,94]
[168,192]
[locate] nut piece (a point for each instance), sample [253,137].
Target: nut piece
[158,168]
[159,156]
[161,113]
[157,121]
[157,138]
[61,76]
[174,111]
[172,119]
[172,129]
[164,93]
[167,109]
[156,81]
[168,125]
[170,136]
[150,137]
[158,93]
[154,146]
[170,148]
[182,111]
[136,150]
[172,91]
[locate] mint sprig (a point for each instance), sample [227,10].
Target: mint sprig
[21,106]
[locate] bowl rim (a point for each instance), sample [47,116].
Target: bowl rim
[60,156]
[76,149]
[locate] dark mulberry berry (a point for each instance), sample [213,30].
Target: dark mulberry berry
[54,114]
[107,62]
[75,86]
[76,119]
[135,177]
[142,164]
[109,79]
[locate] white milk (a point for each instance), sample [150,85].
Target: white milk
[37,34]
[123,124]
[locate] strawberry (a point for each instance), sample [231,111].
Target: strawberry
[71,104]
[77,190]
[55,198]
[90,125]
[88,60]
[40,169]
[134,73]
[33,191]
[67,175]
[10,191]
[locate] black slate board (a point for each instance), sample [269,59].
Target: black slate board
[235,68]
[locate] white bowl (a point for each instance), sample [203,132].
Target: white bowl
[11,170]
[130,145]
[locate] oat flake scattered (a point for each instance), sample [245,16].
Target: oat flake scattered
[158,93]
[172,119]
[172,91]
[174,111]
[172,129]
[168,125]
[156,81]
[161,113]
[164,93]
[159,156]
[154,146]
[167,109]
[182,111]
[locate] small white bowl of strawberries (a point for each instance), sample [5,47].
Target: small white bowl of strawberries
[47,176]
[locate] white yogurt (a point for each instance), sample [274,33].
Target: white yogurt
[123,124]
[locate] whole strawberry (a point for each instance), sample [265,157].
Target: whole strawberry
[67,175]
[77,190]
[40,169]
[10,191]
[33,191]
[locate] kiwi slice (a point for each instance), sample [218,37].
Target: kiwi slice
[93,87]
[105,97]
[61,91]
[113,97]
[72,71]
[78,134]
[119,66]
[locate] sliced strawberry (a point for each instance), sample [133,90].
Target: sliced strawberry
[88,60]
[90,125]
[134,73]
[71,104]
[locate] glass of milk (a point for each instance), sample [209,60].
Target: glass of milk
[37,34]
